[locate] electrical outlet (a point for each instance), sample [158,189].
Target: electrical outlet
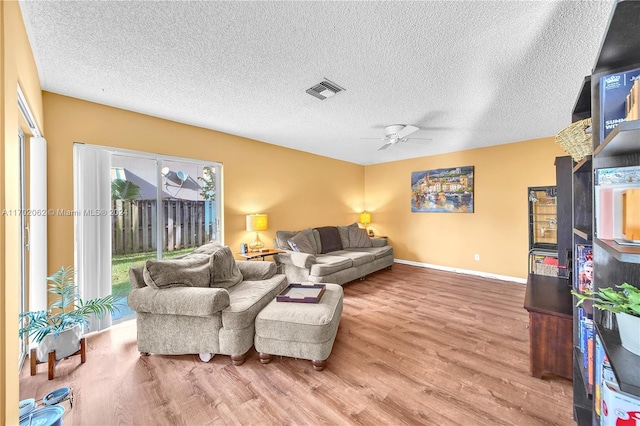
[476,256]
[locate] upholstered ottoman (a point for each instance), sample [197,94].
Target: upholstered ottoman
[300,330]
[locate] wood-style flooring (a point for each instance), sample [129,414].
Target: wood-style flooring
[415,346]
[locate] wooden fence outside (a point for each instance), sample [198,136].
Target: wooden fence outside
[186,224]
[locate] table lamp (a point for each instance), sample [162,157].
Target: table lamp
[257,222]
[365,219]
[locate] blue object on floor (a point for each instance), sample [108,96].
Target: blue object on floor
[44,416]
[56,396]
[27,406]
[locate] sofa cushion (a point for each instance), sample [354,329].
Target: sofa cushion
[328,264]
[358,238]
[300,243]
[377,252]
[329,239]
[358,257]
[186,271]
[344,234]
[224,270]
[248,298]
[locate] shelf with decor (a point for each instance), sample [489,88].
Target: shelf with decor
[614,142]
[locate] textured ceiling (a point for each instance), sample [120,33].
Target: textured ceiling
[468,73]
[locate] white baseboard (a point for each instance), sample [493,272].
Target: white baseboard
[463,271]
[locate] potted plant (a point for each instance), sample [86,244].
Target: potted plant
[625,304]
[59,328]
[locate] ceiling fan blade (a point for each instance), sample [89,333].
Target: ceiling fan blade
[385,146]
[406,131]
[416,140]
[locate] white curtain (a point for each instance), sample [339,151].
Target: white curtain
[38,224]
[92,204]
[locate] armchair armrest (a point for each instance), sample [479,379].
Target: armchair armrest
[187,301]
[378,242]
[256,270]
[298,259]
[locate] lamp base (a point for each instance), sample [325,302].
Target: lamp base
[256,245]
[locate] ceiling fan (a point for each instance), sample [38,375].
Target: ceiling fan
[398,133]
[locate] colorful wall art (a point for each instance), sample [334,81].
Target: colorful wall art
[442,190]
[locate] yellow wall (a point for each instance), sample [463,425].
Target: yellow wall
[294,188]
[16,65]
[497,230]
[299,190]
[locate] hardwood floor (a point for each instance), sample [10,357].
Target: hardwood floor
[414,346]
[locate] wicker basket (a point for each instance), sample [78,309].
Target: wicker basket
[575,140]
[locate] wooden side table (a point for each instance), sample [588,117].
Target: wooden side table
[259,254]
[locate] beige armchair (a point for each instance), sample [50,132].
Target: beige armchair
[187,316]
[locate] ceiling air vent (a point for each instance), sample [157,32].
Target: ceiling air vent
[325,89]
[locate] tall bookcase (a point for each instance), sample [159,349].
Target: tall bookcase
[613,264]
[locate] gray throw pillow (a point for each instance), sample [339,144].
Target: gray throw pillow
[329,239]
[187,271]
[358,238]
[207,248]
[224,269]
[344,233]
[282,239]
[300,243]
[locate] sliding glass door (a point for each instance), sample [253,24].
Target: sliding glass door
[161,207]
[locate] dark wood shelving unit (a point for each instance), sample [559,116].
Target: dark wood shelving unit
[583,165]
[620,45]
[612,263]
[585,234]
[582,107]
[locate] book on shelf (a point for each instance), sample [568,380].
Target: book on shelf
[614,89]
[590,356]
[586,335]
[584,267]
[600,360]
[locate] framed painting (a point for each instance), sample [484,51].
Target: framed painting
[442,190]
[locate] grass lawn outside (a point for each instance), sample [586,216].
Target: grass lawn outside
[120,265]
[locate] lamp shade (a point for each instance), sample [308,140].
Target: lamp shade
[365,218]
[257,222]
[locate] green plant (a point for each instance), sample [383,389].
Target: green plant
[608,299]
[66,311]
[124,190]
[209,183]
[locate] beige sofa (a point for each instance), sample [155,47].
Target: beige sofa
[203,303]
[331,254]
